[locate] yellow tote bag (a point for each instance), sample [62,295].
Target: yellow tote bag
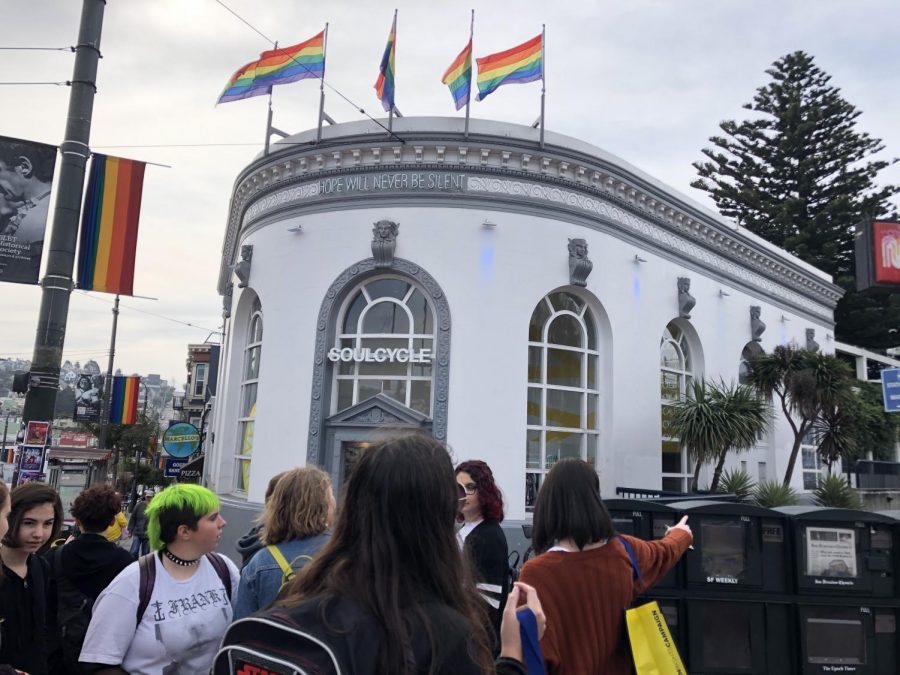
[652,645]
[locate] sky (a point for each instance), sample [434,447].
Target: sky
[647,80]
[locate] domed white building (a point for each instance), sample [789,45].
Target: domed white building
[521,303]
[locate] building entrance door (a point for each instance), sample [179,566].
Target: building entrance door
[349,432]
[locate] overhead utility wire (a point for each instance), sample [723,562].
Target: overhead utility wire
[144,311]
[303,65]
[58,84]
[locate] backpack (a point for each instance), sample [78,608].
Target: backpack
[297,641]
[287,569]
[73,614]
[147,579]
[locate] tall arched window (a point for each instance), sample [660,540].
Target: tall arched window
[387,314]
[249,387]
[563,390]
[676,373]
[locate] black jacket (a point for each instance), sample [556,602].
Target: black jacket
[90,563]
[349,630]
[249,544]
[137,524]
[487,546]
[23,609]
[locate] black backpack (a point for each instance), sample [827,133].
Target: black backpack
[73,614]
[296,641]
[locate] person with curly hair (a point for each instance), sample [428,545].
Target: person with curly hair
[481,536]
[167,612]
[35,518]
[84,567]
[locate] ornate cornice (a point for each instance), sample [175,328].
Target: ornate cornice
[516,174]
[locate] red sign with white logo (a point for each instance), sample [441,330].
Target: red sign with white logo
[74,439]
[887,252]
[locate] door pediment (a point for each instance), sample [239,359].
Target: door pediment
[379,410]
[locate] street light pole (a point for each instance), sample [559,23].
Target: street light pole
[57,282]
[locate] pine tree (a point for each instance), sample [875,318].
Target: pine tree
[801,175]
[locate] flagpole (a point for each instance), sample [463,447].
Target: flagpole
[471,47]
[322,84]
[543,81]
[393,49]
[107,390]
[269,119]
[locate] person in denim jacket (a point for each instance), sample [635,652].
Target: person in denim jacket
[295,523]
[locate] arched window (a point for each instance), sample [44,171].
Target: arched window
[563,390]
[392,319]
[750,351]
[676,373]
[249,387]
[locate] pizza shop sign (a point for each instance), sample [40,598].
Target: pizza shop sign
[380,355]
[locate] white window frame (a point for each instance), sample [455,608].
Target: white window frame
[254,341]
[535,474]
[811,463]
[197,381]
[676,337]
[411,337]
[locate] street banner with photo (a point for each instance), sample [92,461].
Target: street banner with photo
[32,458]
[88,398]
[830,552]
[26,174]
[37,433]
[74,439]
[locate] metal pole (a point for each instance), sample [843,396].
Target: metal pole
[107,390]
[5,431]
[322,84]
[471,55]
[57,283]
[543,81]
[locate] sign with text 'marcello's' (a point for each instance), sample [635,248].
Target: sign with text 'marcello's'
[890,387]
[181,440]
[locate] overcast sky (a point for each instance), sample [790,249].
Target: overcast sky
[648,80]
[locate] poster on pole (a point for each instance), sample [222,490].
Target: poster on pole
[830,552]
[88,398]
[26,174]
[37,433]
[32,458]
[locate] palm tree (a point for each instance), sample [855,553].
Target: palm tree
[807,385]
[715,418]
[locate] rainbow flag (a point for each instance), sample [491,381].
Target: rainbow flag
[518,65]
[109,225]
[384,85]
[277,66]
[459,76]
[123,399]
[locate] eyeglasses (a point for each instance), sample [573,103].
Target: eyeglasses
[469,488]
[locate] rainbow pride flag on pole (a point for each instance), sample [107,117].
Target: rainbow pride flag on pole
[459,76]
[123,399]
[518,65]
[384,85]
[281,65]
[109,225]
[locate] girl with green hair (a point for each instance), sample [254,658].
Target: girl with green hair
[174,623]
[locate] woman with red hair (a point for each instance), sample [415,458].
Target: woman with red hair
[481,537]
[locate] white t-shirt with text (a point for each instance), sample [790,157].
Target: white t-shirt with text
[180,631]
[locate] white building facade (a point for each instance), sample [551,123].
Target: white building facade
[522,303]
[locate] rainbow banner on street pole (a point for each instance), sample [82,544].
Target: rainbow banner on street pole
[521,64]
[123,399]
[109,225]
[282,65]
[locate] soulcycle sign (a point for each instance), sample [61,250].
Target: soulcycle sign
[380,355]
[181,440]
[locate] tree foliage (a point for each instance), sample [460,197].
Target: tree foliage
[801,175]
[716,418]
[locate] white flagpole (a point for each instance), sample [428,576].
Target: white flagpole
[471,71]
[322,84]
[543,81]
[269,119]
